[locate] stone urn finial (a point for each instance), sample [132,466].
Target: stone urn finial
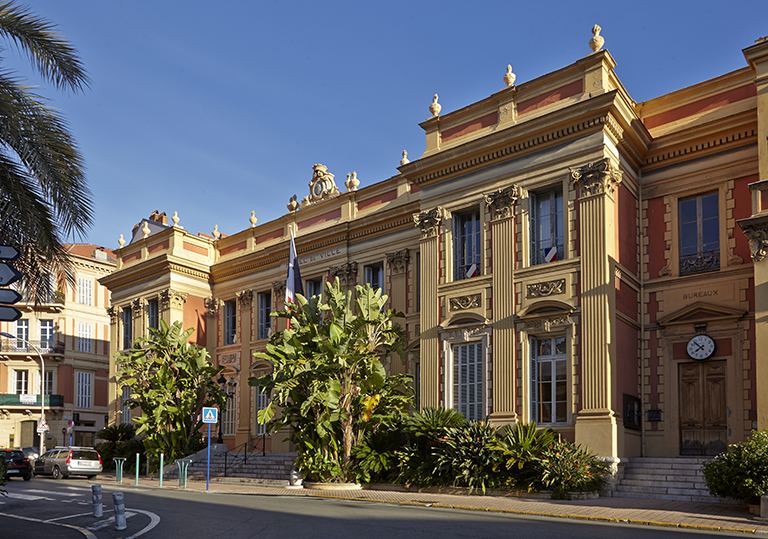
[509,77]
[121,241]
[216,234]
[404,160]
[252,219]
[175,218]
[145,229]
[292,204]
[352,181]
[435,107]
[596,43]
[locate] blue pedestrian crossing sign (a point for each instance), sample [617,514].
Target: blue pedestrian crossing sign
[210,415]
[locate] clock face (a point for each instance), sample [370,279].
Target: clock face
[701,347]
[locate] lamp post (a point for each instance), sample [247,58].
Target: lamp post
[42,380]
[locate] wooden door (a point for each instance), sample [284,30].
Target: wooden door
[703,425]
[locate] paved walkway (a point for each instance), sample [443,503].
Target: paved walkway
[701,516]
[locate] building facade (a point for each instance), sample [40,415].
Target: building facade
[560,253]
[71,331]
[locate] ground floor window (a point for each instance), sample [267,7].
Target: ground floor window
[468,380]
[549,380]
[229,417]
[260,401]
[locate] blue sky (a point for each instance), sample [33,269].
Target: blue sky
[217,109]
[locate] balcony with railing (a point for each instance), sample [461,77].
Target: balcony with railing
[14,346]
[51,401]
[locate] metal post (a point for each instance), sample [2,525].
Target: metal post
[137,470]
[98,510]
[119,461]
[208,470]
[162,456]
[117,500]
[183,466]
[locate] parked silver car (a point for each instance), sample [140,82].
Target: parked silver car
[62,462]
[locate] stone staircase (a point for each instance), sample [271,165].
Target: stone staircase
[253,467]
[678,479]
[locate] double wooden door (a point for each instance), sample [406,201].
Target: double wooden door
[703,419]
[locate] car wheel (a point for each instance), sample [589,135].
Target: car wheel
[28,476]
[56,473]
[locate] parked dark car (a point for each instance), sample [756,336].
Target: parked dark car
[18,464]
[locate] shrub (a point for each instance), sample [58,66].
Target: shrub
[119,441]
[741,472]
[376,458]
[466,457]
[523,446]
[566,467]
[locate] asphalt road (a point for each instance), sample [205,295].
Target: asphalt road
[44,508]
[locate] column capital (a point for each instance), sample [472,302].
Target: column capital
[211,307]
[347,273]
[756,231]
[598,178]
[429,222]
[503,201]
[172,298]
[245,298]
[398,261]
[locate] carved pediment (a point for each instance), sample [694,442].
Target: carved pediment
[546,308]
[700,312]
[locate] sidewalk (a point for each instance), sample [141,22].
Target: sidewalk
[701,516]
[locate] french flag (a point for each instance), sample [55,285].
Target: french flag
[293,283]
[472,271]
[550,255]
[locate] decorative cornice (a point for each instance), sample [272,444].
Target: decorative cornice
[545,289]
[597,178]
[546,324]
[429,222]
[278,287]
[708,145]
[398,261]
[245,298]
[463,303]
[347,273]
[211,307]
[756,231]
[172,299]
[503,201]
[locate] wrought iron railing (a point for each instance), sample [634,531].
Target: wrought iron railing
[21,347]
[240,453]
[10,399]
[702,262]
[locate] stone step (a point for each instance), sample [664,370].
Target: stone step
[663,484]
[677,498]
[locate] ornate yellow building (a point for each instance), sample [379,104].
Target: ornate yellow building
[578,259]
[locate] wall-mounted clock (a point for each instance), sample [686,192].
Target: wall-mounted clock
[701,347]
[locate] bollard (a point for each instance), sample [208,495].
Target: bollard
[98,510]
[117,500]
[161,469]
[137,470]
[119,461]
[183,465]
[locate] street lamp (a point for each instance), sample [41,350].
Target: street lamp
[42,380]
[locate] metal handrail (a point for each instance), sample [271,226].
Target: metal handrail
[46,347]
[242,449]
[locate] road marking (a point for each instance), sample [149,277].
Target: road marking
[107,521]
[52,492]
[154,520]
[69,516]
[85,532]
[18,496]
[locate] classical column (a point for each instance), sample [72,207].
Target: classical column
[245,302]
[114,346]
[398,295]
[429,222]
[596,425]
[212,326]
[347,274]
[502,204]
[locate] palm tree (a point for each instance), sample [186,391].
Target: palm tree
[44,197]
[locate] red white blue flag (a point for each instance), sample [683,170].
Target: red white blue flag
[293,283]
[550,255]
[472,271]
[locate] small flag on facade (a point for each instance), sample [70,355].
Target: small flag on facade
[293,283]
[472,271]
[550,255]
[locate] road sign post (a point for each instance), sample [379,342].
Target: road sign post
[210,416]
[8,276]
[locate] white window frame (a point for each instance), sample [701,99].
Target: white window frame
[47,335]
[84,291]
[85,337]
[84,389]
[49,382]
[554,231]
[22,332]
[229,415]
[230,322]
[20,381]
[467,247]
[553,359]
[374,275]
[314,287]
[264,301]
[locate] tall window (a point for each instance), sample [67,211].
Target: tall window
[314,287]
[46,335]
[22,332]
[374,275]
[21,381]
[466,245]
[261,401]
[84,291]
[265,321]
[125,410]
[230,321]
[229,417]
[153,320]
[699,234]
[547,226]
[549,380]
[84,389]
[468,380]
[48,389]
[127,328]
[84,337]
